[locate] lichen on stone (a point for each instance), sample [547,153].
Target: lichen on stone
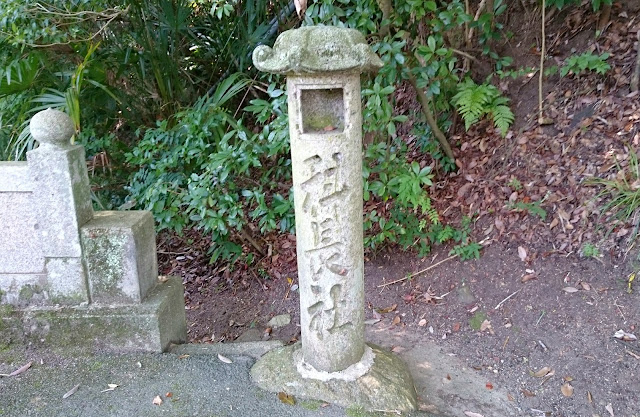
[314,49]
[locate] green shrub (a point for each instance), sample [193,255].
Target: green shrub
[587,61]
[209,172]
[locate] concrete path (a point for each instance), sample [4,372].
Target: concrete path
[194,381]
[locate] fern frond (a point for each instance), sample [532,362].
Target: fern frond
[471,101]
[475,101]
[502,118]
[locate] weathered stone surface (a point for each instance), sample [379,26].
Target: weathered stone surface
[279,321]
[20,246]
[52,128]
[15,177]
[255,349]
[323,66]
[147,327]
[387,386]
[326,155]
[47,270]
[119,248]
[23,289]
[317,49]
[63,198]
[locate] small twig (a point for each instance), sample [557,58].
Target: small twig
[627,345]
[475,19]
[464,54]
[632,354]
[542,345]
[635,78]
[615,303]
[503,301]
[540,318]
[418,273]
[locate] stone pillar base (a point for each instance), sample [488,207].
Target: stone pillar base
[385,386]
[150,326]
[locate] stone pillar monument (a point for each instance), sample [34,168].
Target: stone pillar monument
[323,66]
[61,186]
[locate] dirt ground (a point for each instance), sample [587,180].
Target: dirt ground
[536,314]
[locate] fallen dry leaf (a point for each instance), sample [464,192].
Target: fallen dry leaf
[71,392]
[522,253]
[542,372]
[112,387]
[157,400]
[396,320]
[301,7]
[224,359]
[488,385]
[422,323]
[20,369]
[388,309]
[286,398]
[528,393]
[528,277]
[570,289]
[485,325]
[609,408]
[622,335]
[567,389]
[472,414]
[589,397]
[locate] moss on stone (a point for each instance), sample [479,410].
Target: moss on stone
[26,293]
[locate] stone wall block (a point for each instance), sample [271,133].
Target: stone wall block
[66,280]
[119,247]
[63,198]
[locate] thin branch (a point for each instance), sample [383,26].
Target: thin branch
[475,19]
[95,35]
[105,14]
[246,236]
[635,78]
[464,54]
[417,273]
[426,110]
[512,294]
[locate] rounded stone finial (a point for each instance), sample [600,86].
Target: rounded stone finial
[317,49]
[52,127]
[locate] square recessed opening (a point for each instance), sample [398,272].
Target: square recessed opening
[322,110]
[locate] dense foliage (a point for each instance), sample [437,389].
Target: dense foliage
[175,119]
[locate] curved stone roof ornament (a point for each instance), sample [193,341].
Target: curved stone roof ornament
[314,49]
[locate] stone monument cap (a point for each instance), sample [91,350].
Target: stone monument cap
[317,49]
[52,127]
